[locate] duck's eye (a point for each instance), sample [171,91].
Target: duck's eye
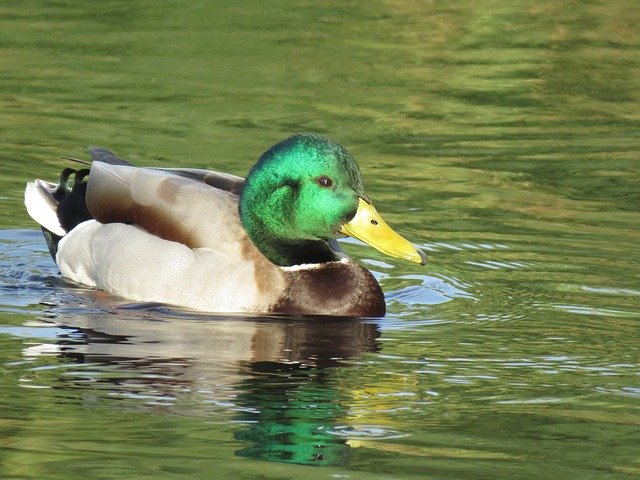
[324,181]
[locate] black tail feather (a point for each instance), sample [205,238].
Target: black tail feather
[52,241]
[70,195]
[72,205]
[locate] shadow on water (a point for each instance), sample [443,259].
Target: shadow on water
[274,374]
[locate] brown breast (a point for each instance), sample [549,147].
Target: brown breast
[335,288]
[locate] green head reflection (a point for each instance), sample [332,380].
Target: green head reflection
[294,410]
[292,406]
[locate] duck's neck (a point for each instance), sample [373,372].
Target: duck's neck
[287,252]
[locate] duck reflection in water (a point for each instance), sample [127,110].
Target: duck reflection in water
[276,374]
[294,410]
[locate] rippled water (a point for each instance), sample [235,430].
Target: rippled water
[501,137]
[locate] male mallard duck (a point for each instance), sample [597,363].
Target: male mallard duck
[215,242]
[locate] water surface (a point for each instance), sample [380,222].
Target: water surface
[500,137]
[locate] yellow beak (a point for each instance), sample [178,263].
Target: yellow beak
[367,225]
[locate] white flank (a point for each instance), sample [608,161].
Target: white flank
[41,206]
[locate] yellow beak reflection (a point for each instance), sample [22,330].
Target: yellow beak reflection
[368,226]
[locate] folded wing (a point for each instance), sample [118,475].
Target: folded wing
[197,208]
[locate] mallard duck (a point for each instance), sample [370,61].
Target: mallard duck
[215,242]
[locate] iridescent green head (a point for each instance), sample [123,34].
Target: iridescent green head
[299,194]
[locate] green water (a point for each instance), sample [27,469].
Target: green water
[502,137]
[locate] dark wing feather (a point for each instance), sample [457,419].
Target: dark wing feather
[99,154]
[220,180]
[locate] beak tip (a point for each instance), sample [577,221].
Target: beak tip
[423,257]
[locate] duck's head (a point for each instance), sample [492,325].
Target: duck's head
[306,190]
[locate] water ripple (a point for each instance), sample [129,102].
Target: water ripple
[369,432]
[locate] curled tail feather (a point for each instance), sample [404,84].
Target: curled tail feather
[58,208]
